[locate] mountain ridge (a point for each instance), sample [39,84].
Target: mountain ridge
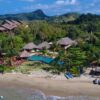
[34,15]
[40,15]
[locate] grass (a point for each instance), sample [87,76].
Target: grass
[28,67]
[6,69]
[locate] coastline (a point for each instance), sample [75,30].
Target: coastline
[50,86]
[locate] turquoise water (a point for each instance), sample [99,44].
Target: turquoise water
[43,59]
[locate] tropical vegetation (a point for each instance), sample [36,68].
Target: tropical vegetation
[85,29]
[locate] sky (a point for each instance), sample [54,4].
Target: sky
[50,7]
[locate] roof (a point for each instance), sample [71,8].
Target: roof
[24,54]
[2,29]
[8,22]
[16,22]
[66,41]
[9,25]
[44,45]
[29,46]
[94,62]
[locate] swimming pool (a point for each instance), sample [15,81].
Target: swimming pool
[40,58]
[43,59]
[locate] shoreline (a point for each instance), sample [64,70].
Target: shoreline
[63,88]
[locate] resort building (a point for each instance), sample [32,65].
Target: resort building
[24,54]
[43,45]
[30,46]
[66,42]
[9,25]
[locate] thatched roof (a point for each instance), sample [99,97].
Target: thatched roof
[44,45]
[66,41]
[12,22]
[29,46]
[2,29]
[8,22]
[16,22]
[24,54]
[9,25]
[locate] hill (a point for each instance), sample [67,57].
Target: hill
[87,18]
[64,18]
[36,15]
[39,15]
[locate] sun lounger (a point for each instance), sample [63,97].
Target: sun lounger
[71,76]
[68,75]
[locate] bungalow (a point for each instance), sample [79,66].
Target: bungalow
[8,25]
[24,54]
[44,44]
[66,42]
[30,46]
[2,29]
[17,22]
[8,22]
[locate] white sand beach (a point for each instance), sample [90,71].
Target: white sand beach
[57,85]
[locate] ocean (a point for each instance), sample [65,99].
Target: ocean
[12,93]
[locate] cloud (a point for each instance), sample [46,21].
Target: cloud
[28,0]
[61,6]
[60,2]
[37,6]
[73,2]
[55,5]
[66,2]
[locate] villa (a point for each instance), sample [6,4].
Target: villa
[30,46]
[34,49]
[66,42]
[24,54]
[9,25]
[43,45]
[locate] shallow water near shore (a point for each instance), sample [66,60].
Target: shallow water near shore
[12,93]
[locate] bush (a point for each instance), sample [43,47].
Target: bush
[74,70]
[1,68]
[8,68]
